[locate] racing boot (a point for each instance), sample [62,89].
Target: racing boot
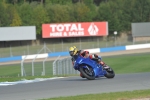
[104,65]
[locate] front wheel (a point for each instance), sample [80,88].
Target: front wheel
[87,72]
[109,73]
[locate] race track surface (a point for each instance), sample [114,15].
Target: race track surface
[72,86]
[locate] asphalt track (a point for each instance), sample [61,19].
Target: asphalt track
[72,86]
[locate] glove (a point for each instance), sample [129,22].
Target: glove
[95,55]
[99,60]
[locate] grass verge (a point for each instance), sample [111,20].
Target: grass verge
[127,95]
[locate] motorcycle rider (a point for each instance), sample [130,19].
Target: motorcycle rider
[74,52]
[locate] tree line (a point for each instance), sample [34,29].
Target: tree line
[119,13]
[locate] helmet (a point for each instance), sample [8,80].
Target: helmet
[73,50]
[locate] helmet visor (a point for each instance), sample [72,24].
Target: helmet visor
[71,53]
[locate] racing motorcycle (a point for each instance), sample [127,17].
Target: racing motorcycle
[90,69]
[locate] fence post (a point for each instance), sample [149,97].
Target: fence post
[54,65]
[67,62]
[10,51]
[64,66]
[22,66]
[62,44]
[60,67]
[80,43]
[43,73]
[27,49]
[33,64]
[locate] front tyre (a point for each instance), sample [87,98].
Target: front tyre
[109,73]
[87,72]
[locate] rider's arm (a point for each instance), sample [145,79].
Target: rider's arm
[83,53]
[95,57]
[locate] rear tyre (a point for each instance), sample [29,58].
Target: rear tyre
[87,72]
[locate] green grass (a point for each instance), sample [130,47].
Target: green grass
[121,64]
[133,63]
[13,72]
[127,95]
[15,69]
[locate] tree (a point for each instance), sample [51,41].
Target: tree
[81,12]
[92,13]
[39,17]
[78,1]
[3,14]
[61,2]
[141,11]
[110,12]
[16,20]
[14,1]
[97,2]
[58,13]
[25,12]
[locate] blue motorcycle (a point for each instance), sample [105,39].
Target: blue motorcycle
[90,69]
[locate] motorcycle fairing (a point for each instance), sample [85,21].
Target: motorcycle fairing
[87,61]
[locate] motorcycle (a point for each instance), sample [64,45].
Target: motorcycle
[90,69]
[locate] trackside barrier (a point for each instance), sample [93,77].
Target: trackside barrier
[95,50]
[138,46]
[7,59]
[29,57]
[111,49]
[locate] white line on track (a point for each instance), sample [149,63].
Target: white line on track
[28,81]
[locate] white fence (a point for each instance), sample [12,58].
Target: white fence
[33,66]
[36,65]
[64,67]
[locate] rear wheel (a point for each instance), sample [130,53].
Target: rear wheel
[87,72]
[109,73]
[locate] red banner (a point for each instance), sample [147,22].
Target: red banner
[60,30]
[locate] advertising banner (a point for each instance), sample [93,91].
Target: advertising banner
[60,30]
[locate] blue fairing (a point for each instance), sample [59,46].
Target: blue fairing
[87,61]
